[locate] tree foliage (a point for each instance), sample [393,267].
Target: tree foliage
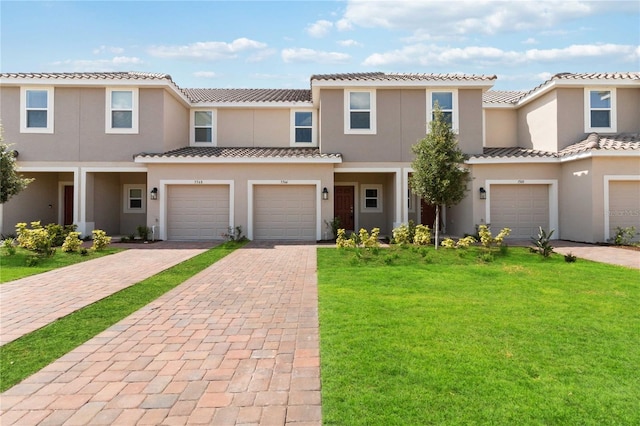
[11,183]
[438,176]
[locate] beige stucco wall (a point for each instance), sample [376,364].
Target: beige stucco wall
[239,174]
[175,123]
[33,204]
[254,128]
[577,204]
[537,123]
[501,128]
[570,119]
[628,110]
[470,116]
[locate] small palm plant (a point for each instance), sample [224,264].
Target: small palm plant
[542,242]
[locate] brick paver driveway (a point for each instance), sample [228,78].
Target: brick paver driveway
[236,344]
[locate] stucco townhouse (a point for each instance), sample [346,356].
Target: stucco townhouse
[114,151]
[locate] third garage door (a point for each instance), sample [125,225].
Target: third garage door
[523,208]
[285,212]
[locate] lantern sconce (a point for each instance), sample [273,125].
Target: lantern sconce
[483,194]
[154,194]
[325,193]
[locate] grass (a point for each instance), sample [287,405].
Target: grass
[28,354]
[415,337]
[15,267]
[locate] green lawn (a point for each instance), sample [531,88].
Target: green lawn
[28,354]
[15,267]
[416,337]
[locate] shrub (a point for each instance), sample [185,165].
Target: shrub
[83,251]
[401,235]
[362,239]
[59,233]
[100,240]
[234,234]
[448,243]
[342,241]
[9,245]
[462,242]
[143,232]
[542,242]
[422,235]
[488,241]
[570,258]
[36,239]
[369,241]
[334,225]
[72,243]
[623,236]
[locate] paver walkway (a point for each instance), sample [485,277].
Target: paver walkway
[235,344]
[30,303]
[605,254]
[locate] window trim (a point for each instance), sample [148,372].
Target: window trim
[314,126]
[372,112]
[455,116]
[135,110]
[214,127]
[612,109]
[363,198]
[126,199]
[23,109]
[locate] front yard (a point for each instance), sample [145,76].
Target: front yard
[413,337]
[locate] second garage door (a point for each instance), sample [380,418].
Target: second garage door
[523,208]
[284,212]
[197,212]
[624,205]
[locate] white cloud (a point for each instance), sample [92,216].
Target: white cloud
[205,74]
[310,55]
[98,65]
[430,55]
[344,25]
[349,43]
[319,28]
[108,49]
[207,50]
[530,40]
[435,18]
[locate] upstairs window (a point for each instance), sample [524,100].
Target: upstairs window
[303,128]
[36,105]
[203,124]
[122,111]
[448,102]
[600,110]
[360,112]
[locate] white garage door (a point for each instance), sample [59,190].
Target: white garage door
[197,212]
[523,208]
[284,212]
[624,205]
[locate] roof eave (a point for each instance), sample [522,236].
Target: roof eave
[273,104]
[236,160]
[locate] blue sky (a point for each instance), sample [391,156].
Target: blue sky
[269,44]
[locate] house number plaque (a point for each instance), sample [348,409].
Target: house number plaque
[198,182]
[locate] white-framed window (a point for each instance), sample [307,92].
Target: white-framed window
[135,198]
[600,110]
[36,109]
[121,110]
[371,201]
[360,112]
[447,99]
[203,127]
[303,127]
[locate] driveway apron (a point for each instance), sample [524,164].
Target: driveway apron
[30,303]
[235,344]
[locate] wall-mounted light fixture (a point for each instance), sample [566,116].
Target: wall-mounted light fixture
[483,194]
[154,194]
[325,193]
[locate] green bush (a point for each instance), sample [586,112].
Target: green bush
[489,241]
[72,243]
[143,232]
[623,236]
[100,240]
[542,242]
[36,239]
[9,245]
[362,239]
[59,233]
[422,235]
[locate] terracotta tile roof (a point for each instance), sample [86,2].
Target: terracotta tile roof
[567,76]
[594,142]
[382,76]
[248,95]
[127,75]
[502,96]
[253,153]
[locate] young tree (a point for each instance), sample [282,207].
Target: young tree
[438,176]
[11,183]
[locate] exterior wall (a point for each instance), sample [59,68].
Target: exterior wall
[628,110]
[107,202]
[570,119]
[470,135]
[537,124]
[175,124]
[253,128]
[129,222]
[459,219]
[239,174]
[501,128]
[33,203]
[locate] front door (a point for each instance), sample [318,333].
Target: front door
[68,205]
[343,206]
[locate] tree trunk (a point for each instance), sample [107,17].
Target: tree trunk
[437,223]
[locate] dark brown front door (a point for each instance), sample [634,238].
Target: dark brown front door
[343,206]
[428,214]
[68,205]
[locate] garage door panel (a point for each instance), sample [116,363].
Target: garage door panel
[624,205]
[522,208]
[284,212]
[197,212]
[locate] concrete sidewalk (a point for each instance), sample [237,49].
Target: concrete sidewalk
[30,303]
[236,344]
